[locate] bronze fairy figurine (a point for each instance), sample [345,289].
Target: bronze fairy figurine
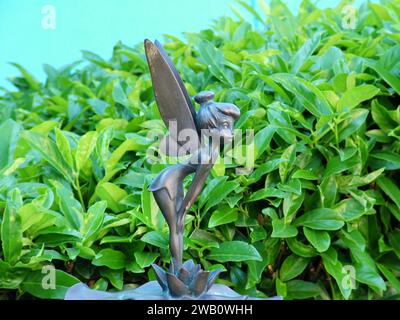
[207,129]
[210,126]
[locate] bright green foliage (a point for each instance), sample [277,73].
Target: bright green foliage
[321,205]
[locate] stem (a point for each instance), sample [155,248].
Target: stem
[78,190]
[336,133]
[198,218]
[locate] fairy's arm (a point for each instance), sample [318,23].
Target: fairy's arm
[206,159]
[195,188]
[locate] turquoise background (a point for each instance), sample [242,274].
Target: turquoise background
[96,25]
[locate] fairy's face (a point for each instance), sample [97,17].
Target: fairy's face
[217,120]
[223,129]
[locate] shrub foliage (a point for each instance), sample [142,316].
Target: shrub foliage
[318,217]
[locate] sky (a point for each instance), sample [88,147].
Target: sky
[29,37]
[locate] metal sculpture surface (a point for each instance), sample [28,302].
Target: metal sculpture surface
[207,129]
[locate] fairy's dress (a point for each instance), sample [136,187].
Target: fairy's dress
[171,179]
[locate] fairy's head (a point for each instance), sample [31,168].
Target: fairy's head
[216,116]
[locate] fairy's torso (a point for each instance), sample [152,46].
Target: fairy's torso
[171,177]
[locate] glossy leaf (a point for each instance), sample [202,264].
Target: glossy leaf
[234,251]
[43,285]
[320,219]
[292,266]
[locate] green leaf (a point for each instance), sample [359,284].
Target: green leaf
[354,96]
[152,216]
[337,165]
[49,151]
[304,174]
[11,277]
[390,189]
[101,284]
[55,237]
[385,72]
[267,193]
[42,285]
[306,93]
[222,215]
[262,140]
[219,193]
[9,136]
[115,276]
[320,219]
[281,288]
[291,204]
[292,266]
[64,147]
[234,251]
[11,231]
[213,58]
[283,230]
[93,221]
[112,162]
[33,83]
[355,119]
[328,191]
[394,240]
[96,59]
[264,168]
[320,240]
[300,248]
[110,258]
[382,117]
[209,189]
[120,95]
[387,159]
[251,9]
[218,169]
[335,268]
[305,51]
[299,289]
[70,207]
[390,277]
[144,259]
[288,156]
[85,147]
[256,268]
[156,239]
[112,194]
[366,270]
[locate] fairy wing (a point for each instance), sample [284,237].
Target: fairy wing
[171,96]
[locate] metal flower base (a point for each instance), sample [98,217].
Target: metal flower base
[189,283]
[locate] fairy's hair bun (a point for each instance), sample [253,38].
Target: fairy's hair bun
[204,96]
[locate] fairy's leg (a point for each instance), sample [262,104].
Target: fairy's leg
[180,223]
[168,209]
[175,248]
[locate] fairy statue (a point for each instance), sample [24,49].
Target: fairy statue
[199,136]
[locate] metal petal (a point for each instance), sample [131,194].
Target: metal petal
[212,277]
[189,265]
[184,276]
[199,283]
[176,287]
[161,276]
